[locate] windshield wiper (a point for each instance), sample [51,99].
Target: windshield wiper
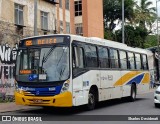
[61,73]
[60,58]
[48,54]
[44,59]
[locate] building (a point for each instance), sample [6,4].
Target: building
[17,18]
[89,18]
[53,16]
[82,17]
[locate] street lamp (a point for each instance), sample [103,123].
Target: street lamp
[122,21]
[158,50]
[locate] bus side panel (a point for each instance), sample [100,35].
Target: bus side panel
[90,78]
[145,82]
[82,85]
[78,97]
[126,77]
[117,90]
[108,88]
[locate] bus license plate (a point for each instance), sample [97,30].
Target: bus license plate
[37,100]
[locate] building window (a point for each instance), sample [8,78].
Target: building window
[61,27]
[78,8]
[44,20]
[67,27]
[60,3]
[67,4]
[79,29]
[18,14]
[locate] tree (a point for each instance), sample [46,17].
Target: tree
[133,36]
[113,11]
[151,41]
[144,14]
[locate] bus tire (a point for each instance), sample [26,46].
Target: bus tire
[133,93]
[156,105]
[91,100]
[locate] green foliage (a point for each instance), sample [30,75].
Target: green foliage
[134,37]
[138,16]
[108,35]
[151,41]
[144,14]
[113,11]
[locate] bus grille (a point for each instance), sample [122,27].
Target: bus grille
[40,93]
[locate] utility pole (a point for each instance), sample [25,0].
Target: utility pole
[35,17]
[123,21]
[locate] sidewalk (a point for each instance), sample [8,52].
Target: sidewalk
[8,107]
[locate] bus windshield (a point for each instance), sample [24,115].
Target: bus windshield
[43,64]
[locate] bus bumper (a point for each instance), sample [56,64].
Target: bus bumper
[61,100]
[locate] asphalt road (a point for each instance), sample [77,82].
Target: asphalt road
[144,105]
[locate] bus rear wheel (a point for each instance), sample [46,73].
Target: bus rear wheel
[133,94]
[91,100]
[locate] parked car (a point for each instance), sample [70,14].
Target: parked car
[157,97]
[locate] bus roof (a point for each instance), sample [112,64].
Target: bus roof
[97,41]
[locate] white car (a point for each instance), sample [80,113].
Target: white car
[157,97]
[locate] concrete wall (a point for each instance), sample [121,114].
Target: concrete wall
[65,16]
[92,15]
[72,24]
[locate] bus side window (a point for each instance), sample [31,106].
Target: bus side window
[131,60]
[78,57]
[114,58]
[138,61]
[145,63]
[123,59]
[103,57]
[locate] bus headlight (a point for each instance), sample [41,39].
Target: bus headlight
[17,89]
[65,86]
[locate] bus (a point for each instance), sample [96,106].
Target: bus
[68,70]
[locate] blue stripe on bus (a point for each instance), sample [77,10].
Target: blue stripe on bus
[49,91]
[136,79]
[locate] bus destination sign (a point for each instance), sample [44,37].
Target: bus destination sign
[44,41]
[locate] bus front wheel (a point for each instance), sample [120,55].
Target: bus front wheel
[91,100]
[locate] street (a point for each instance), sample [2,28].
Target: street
[142,106]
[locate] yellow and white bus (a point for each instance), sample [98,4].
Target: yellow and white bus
[70,70]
